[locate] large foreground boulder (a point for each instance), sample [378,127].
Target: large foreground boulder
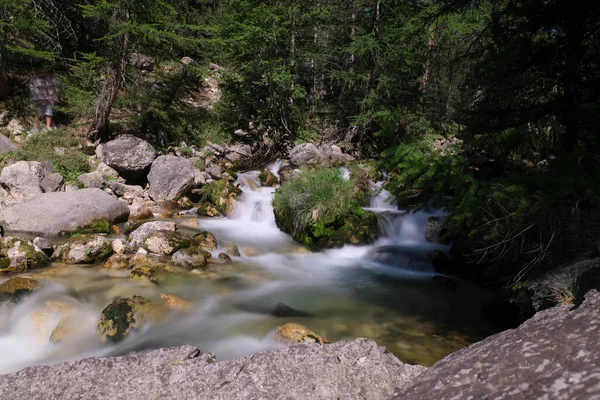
[345,370]
[554,355]
[170,178]
[130,156]
[49,214]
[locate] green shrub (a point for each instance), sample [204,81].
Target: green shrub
[315,198]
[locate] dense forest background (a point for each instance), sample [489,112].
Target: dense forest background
[490,108]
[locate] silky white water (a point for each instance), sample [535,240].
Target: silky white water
[346,293]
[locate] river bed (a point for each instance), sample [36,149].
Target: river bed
[343,293]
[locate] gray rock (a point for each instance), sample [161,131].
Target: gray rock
[92,180]
[51,213]
[306,153]
[23,179]
[554,355]
[436,229]
[4,117]
[138,236]
[45,245]
[164,242]
[6,146]
[238,152]
[214,171]
[140,61]
[170,178]
[52,183]
[107,172]
[189,258]
[130,156]
[345,370]
[120,189]
[15,127]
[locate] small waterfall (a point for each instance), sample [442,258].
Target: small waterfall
[345,173]
[253,222]
[383,200]
[403,244]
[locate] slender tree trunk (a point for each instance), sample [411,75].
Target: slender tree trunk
[4,86]
[110,89]
[353,31]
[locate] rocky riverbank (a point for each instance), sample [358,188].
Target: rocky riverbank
[551,356]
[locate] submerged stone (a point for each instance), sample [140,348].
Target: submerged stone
[295,334]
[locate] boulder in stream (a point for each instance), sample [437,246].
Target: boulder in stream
[87,249]
[190,258]
[206,240]
[138,236]
[18,255]
[15,288]
[51,214]
[437,231]
[123,316]
[267,178]
[165,243]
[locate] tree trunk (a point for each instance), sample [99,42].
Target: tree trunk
[110,89]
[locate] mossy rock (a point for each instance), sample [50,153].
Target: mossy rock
[206,240]
[121,317]
[166,243]
[190,258]
[232,250]
[207,209]
[151,272]
[118,261]
[87,249]
[18,255]
[96,226]
[296,334]
[224,257]
[357,228]
[15,288]
[267,178]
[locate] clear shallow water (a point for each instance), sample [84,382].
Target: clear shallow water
[417,318]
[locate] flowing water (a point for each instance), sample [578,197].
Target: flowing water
[385,291]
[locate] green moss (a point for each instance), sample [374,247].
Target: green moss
[96,226]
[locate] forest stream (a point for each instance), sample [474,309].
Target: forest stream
[385,291]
